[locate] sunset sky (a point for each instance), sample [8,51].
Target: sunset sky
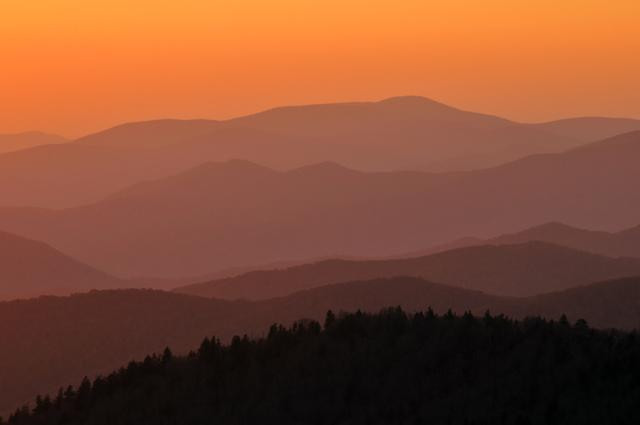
[76,66]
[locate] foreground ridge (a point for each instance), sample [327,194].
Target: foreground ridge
[389,368]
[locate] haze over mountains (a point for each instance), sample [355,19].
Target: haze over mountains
[355,186]
[394,134]
[68,338]
[221,215]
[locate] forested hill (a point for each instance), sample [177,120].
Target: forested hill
[389,368]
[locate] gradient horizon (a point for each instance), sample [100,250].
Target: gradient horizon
[71,67]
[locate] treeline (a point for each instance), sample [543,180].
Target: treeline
[387,368]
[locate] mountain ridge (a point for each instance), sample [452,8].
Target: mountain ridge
[505,270]
[232,220]
[371,136]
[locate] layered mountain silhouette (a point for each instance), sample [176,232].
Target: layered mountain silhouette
[29,268]
[397,133]
[624,243]
[363,135]
[86,334]
[221,215]
[512,270]
[29,139]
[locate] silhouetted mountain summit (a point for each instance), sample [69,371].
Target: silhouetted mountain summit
[430,109]
[362,117]
[413,101]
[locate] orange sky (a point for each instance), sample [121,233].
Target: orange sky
[75,66]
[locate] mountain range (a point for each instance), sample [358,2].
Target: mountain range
[524,268]
[359,188]
[221,215]
[394,134]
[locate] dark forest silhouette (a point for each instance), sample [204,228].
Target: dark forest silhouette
[389,368]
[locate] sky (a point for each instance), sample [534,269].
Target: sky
[76,66]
